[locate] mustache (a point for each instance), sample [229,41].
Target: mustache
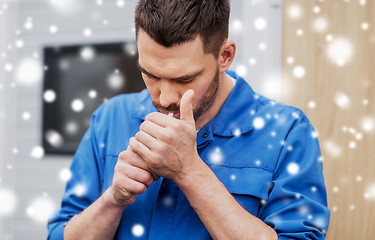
[170,108]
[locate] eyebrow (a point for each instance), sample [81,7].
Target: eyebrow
[176,79]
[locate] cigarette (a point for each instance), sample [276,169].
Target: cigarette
[170,114]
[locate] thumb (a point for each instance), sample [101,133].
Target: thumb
[186,107]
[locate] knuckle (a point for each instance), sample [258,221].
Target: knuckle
[167,138]
[144,125]
[123,155]
[140,188]
[153,160]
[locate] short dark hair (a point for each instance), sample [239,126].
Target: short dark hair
[171,22]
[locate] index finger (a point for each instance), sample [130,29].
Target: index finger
[160,119]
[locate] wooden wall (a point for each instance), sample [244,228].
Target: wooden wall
[329,72]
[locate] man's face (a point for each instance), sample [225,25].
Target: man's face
[169,72]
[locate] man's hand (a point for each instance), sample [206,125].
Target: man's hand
[166,144]
[132,176]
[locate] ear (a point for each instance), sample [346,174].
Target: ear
[227,53]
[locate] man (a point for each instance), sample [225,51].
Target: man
[205,156]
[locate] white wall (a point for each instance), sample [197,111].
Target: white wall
[32,178]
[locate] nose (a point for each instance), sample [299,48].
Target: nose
[168,93]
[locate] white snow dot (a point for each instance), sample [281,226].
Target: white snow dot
[365,26]
[368,124]
[28,25]
[29,72]
[80,189]
[362,2]
[358,136]
[272,86]
[313,189]
[359,178]
[54,138]
[334,208]
[40,209]
[258,162]
[340,51]
[273,133]
[352,144]
[93,93]
[316,9]
[352,207]
[53,29]
[329,38]
[233,177]
[262,46]
[71,127]
[19,43]
[299,32]
[370,192]
[37,152]
[311,104]
[241,70]
[293,168]
[77,105]
[333,148]
[87,32]
[99,2]
[168,201]
[299,72]
[236,26]
[8,202]
[352,130]
[116,80]
[130,48]
[260,23]
[87,53]
[342,100]
[294,11]
[216,156]
[138,230]
[335,189]
[252,61]
[237,132]
[258,123]
[290,60]
[120,3]
[365,102]
[15,150]
[66,7]
[296,115]
[290,148]
[26,116]
[314,134]
[49,96]
[65,174]
[8,67]
[320,24]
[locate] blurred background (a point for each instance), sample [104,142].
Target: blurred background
[59,60]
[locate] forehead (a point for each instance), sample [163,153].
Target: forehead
[169,61]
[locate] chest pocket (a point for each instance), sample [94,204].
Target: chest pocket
[247,185]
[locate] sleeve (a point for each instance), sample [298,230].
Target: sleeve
[297,203]
[83,188]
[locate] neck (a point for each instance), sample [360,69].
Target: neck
[225,87]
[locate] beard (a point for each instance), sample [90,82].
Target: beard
[204,103]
